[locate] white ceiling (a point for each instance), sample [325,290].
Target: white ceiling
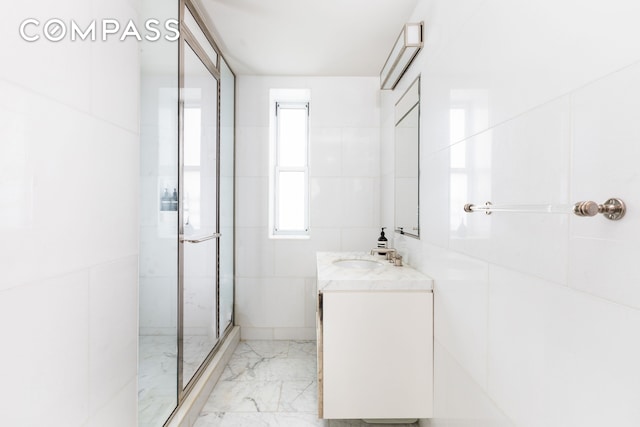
[306,37]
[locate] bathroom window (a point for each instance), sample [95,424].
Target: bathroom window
[289,216]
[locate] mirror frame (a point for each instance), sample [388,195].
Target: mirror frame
[407,103]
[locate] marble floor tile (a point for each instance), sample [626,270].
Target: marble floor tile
[299,396]
[302,349]
[267,369]
[259,419]
[154,410]
[244,396]
[157,380]
[262,349]
[157,373]
[196,348]
[360,423]
[270,383]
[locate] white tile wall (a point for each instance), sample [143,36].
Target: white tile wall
[113,336]
[272,302]
[325,152]
[603,255]
[582,357]
[458,399]
[275,284]
[254,253]
[252,146]
[68,79]
[460,322]
[46,325]
[69,167]
[160,317]
[535,315]
[47,203]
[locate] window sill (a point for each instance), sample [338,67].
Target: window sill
[290,236]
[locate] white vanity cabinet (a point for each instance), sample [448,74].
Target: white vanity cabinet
[375,346]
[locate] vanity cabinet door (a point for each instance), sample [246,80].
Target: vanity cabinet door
[377,354]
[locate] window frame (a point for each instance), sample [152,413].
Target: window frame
[276,169]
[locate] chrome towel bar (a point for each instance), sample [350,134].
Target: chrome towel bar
[613,209]
[199,239]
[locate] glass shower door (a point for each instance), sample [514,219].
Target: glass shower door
[227,122]
[199,217]
[158,266]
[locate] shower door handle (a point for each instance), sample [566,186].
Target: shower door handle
[199,239]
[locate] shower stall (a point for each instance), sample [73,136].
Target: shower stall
[186,199]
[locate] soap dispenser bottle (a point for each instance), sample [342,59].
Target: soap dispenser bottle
[382,240]
[174,200]
[165,201]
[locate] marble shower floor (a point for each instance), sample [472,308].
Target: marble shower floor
[270,383]
[157,374]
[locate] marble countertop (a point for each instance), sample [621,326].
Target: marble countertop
[332,277]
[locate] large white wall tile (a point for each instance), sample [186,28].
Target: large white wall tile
[605,147]
[68,76]
[530,156]
[387,132]
[530,165]
[450,265]
[545,57]
[252,201]
[358,204]
[69,166]
[121,410]
[199,306]
[566,350]
[113,310]
[325,153]
[387,208]
[344,185]
[107,71]
[326,197]
[297,258]
[254,252]
[459,400]
[532,243]
[305,334]
[252,151]
[46,325]
[434,209]
[252,98]
[606,268]
[274,302]
[361,239]
[310,302]
[54,147]
[361,152]
[345,102]
[410,249]
[460,323]
[159,317]
[159,251]
[604,253]
[471,183]
[249,333]
[542,116]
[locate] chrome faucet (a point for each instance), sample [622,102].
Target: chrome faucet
[381,251]
[392,255]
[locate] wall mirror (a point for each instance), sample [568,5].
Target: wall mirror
[407,162]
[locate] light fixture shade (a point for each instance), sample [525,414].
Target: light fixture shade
[406,47]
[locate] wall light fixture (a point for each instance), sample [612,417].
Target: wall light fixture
[406,47]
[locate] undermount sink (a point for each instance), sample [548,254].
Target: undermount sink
[360,264]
